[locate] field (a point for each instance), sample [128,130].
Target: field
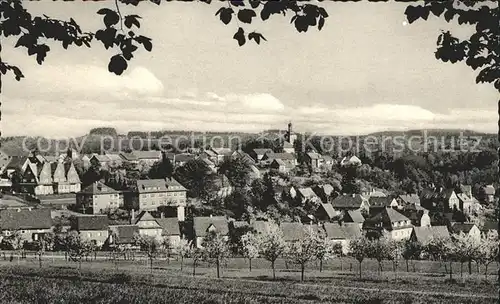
[103,281]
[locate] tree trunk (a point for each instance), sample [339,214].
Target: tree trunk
[461,269]
[302,269]
[218,269]
[470,267]
[182,261]
[321,265]
[250,264]
[151,265]
[360,270]
[194,267]
[274,272]
[486,272]
[40,260]
[407,266]
[451,270]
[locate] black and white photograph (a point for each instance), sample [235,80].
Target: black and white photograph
[249,151]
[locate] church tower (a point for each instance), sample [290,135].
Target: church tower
[290,136]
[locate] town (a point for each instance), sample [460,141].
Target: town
[113,200]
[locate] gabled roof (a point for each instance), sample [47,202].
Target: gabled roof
[313,155]
[490,225]
[159,185]
[124,233]
[425,234]
[461,227]
[410,199]
[335,231]
[262,151]
[347,201]
[25,219]
[147,154]
[353,160]
[447,193]
[210,153]
[222,151]
[329,210]
[184,157]
[128,156]
[91,222]
[201,225]
[380,201]
[294,231]
[327,158]
[282,156]
[466,188]
[114,157]
[353,216]
[489,190]
[260,226]
[98,188]
[279,162]
[145,216]
[307,193]
[170,225]
[101,158]
[465,198]
[387,217]
[17,162]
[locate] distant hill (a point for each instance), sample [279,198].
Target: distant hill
[433,132]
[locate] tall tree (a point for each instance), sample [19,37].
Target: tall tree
[216,249]
[272,245]
[162,168]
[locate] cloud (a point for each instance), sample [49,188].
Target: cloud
[87,82]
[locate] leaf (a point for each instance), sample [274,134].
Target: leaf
[412,13]
[132,20]
[17,73]
[301,24]
[226,14]
[145,41]
[256,36]
[321,23]
[41,53]
[117,64]
[237,2]
[254,3]
[246,15]
[437,8]
[104,11]
[111,18]
[240,36]
[322,12]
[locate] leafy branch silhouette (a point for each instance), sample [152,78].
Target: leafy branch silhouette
[120,32]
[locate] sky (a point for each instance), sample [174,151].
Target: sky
[367,70]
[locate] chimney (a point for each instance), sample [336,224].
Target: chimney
[210,215]
[132,216]
[353,195]
[162,215]
[180,213]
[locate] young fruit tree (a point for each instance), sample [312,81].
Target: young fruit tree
[304,250]
[394,254]
[411,250]
[196,254]
[183,248]
[325,250]
[358,249]
[249,247]
[150,246]
[466,248]
[40,246]
[77,248]
[378,249]
[272,245]
[488,251]
[216,250]
[337,250]
[166,247]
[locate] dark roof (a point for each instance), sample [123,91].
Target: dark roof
[347,201]
[490,225]
[25,219]
[124,233]
[262,151]
[159,185]
[410,199]
[147,154]
[380,201]
[341,232]
[489,190]
[17,162]
[329,210]
[282,156]
[98,188]
[295,231]
[278,161]
[184,157]
[170,225]
[91,222]
[425,234]
[201,225]
[353,216]
[313,155]
[461,227]
[387,217]
[447,193]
